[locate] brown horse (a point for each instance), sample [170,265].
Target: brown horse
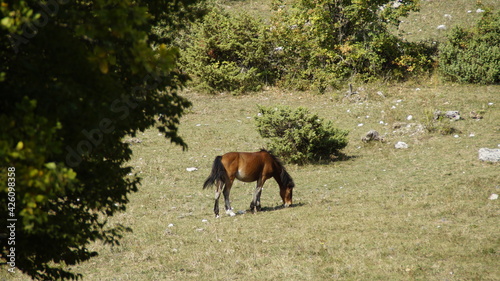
[248,167]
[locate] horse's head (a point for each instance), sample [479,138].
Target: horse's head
[286,193]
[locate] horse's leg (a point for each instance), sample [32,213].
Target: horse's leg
[255,205]
[227,190]
[218,189]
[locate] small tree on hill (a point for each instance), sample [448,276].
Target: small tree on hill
[325,41]
[225,52]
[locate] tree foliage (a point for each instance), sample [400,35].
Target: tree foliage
[225,52]
[325,41]
[75,79]
[305,45]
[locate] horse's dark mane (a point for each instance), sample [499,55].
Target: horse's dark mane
[286,179]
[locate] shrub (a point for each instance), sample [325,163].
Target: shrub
[473,56]
[323,42]
[299,136]
[226,52]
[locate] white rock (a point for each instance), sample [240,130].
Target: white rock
[441,27]
[401,145]
[170,225]
[493,196]
[489,155]
[410,117]
[192,169]
[479,11]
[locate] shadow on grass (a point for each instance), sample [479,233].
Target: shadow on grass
[340,157]
[275,208]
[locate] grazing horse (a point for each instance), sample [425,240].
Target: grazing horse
[248,167]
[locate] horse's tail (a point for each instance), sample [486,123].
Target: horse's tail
[218,173]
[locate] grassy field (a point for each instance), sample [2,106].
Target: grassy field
[417,214]
[420,213]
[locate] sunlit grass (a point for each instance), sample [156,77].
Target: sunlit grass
[420,213]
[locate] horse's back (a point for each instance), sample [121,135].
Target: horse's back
[247,166]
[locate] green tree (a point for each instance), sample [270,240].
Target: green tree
[76,77]
[324,41]
[225,52]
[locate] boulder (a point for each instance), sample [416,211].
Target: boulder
[452,114]
[489,155]
[401,145]
[372,135]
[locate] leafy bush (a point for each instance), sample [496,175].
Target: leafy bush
[226,52]
[323,42]
[473,56]
[298,136]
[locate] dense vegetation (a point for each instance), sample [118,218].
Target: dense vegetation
[306,45]
[75,78]
[473,56]
[316,45]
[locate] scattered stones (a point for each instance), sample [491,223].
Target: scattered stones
[401,145]
[372,135]
[489,155]
[452,114]
[407,129]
